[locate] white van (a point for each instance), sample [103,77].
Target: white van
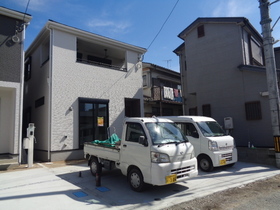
[213,147]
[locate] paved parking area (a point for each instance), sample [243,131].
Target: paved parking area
[48,186]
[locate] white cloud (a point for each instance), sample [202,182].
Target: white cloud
[234,8]
[38,5]
[109,25]
[34,5]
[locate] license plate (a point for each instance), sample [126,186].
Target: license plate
[223,162]
[171,179]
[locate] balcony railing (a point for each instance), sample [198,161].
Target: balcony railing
[94,63]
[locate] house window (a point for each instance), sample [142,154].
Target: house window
[93,120]
[144,80]
[45,51]
[79,57]
[206,110]
[27,69]
[132,107]
[200,31]
[156,82]
[193,111]
[256,52]
[40,102]
[253,110]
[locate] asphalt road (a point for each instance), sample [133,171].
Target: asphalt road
[262,194]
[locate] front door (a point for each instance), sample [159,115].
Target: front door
[93,120]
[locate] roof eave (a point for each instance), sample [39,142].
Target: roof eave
[15,14]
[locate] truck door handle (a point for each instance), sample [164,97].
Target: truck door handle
[124,145]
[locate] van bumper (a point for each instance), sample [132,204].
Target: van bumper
[181,170]
[222,158]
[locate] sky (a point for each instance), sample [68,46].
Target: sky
[150,24]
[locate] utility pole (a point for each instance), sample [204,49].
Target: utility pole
[271,74]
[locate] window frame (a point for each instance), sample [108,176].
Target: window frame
[253,110]
[200,31]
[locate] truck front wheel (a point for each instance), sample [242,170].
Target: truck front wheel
[95,166]
[136,181]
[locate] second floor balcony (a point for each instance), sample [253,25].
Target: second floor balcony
[165,94]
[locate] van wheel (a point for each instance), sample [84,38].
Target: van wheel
[205,163]
[95,166]
[136,181]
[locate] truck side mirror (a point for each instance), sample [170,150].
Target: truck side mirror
[142,140]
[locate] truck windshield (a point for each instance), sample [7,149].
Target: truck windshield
[210,129]
[165,133]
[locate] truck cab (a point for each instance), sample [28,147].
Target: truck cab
[213,147]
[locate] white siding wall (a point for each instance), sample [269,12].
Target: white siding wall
[36,88]
[71,80]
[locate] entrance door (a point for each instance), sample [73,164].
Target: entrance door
[93,120]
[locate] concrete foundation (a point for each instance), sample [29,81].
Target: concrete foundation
[264,156]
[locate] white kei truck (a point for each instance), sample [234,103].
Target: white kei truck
[151,151]
[213,147]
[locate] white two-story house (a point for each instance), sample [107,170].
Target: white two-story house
[77,85]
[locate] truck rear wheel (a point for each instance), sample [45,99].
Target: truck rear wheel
[205,163]
[95,166]
[136,181]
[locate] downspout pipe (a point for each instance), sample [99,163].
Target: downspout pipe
[50,93]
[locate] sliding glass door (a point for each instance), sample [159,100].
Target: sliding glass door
[93,120]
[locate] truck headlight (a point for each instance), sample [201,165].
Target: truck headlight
[213,146]
[157,157]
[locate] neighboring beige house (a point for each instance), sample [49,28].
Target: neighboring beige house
[223,75]
[162,91]
[78,84]
[12,33]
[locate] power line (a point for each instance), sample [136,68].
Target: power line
[26,10]
[163,24]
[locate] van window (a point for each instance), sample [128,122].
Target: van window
[211,128]
[188,129]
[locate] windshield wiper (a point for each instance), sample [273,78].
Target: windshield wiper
[171,142]
[185,141]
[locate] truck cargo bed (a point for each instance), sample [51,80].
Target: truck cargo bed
[101,151]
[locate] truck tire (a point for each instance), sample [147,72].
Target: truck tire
[135,179]
[95,166]
[205,163]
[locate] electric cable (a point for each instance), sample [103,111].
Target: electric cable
[163,24]
[26,10]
